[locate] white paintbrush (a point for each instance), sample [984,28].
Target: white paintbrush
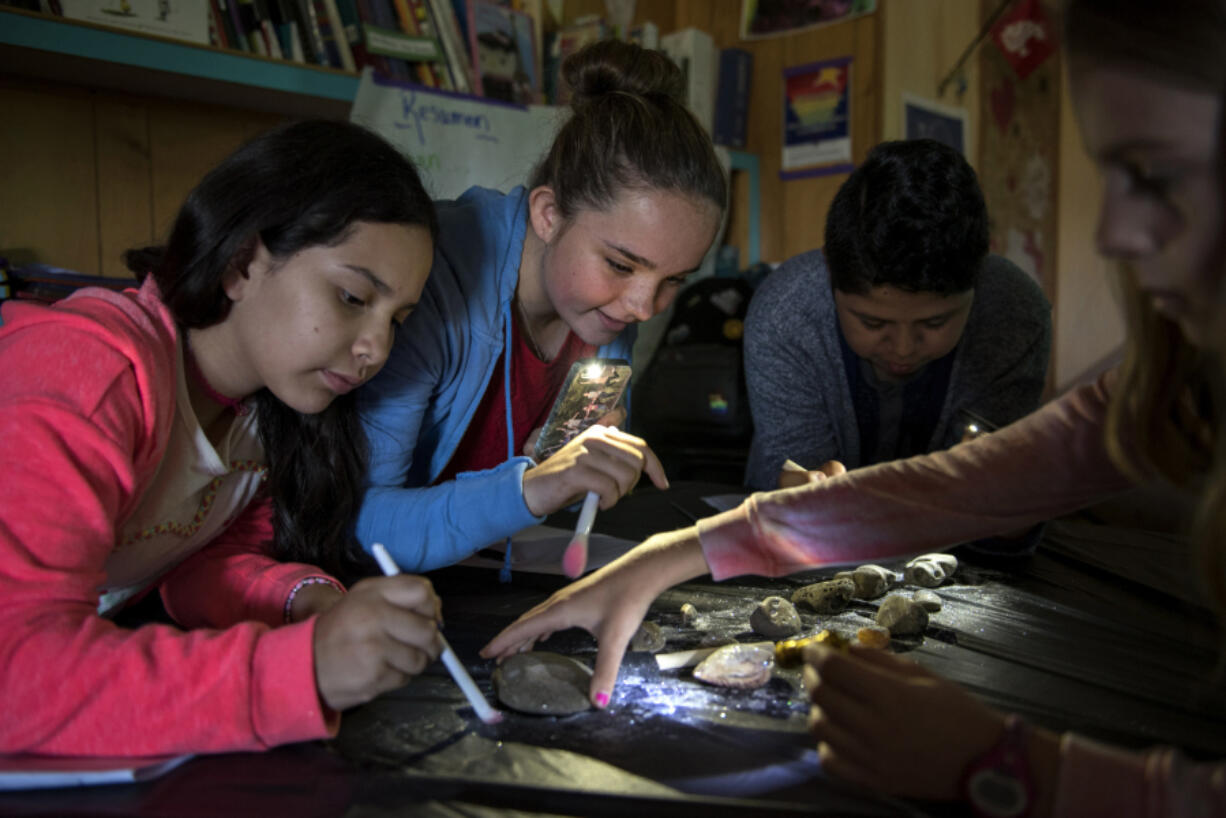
[574,559]
[487,714]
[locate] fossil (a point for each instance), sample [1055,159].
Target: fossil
[740,666]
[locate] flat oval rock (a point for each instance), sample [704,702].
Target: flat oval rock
[931,601]
[775,618]
[543,684]
[739,666]
[827,597]
[648,638]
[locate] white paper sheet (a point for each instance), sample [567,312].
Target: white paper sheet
[539,550]
[46,772]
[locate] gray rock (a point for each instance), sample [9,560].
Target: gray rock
[930,570]
[826,597]
[648,638]
[902,616]
[691,618]
[543,684]
[871,581]
[775,618]
[930,601]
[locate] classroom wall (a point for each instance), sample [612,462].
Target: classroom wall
[920,45]
[793,212]
[1089,325]
[90,174]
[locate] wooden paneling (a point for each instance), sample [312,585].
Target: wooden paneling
[125,212]
[920,45]
[794,212]
[90,174]
[186,141]
[49,210]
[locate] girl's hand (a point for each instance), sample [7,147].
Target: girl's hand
[614,418]
[609,604]
[602,459]
[889,724]
[384,632]
[314,599]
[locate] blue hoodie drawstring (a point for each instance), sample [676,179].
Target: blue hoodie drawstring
[504,575]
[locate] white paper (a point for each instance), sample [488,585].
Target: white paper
[457,141]
[539,550]
[724,502]
[45,772]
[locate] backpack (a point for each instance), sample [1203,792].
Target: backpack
[693,393]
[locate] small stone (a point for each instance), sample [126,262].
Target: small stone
[543,684]
[775,618]
[930,570]
[648,638]
[902,615]
[826,597]
[692,618]
[931,602]
[739,666]
[871,581]
[873,636]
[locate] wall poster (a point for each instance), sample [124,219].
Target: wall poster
[817,119]
[772,18]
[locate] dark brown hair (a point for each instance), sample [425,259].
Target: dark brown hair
[628,129]
[301,185]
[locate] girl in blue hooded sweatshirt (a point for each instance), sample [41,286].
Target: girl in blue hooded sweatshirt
[621,210]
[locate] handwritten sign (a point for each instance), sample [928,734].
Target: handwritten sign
[456,140]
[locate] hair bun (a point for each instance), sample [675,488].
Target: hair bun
[609,66]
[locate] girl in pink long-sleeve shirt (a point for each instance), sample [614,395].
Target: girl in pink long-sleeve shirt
[1147,83]
[196,436]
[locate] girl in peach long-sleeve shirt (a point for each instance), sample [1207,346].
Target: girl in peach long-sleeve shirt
[152,440]
[1147,92]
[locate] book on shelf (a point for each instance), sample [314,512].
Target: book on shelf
[263,16]
[424,24]
[312,39]
[179,21]
[732,98]
[447,29]
[327,34]
[217,30]
[694,51]
[289,27]
[569,39]
[427,70]
[235,30]
[504,52]
[646,34]
[339,36]
[257,42]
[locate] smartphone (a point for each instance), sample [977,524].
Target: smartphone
[593,388]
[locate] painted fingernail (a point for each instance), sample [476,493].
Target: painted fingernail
[602,699]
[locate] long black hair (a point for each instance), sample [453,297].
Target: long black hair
[300,185]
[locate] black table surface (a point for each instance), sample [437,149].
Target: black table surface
[1056,637]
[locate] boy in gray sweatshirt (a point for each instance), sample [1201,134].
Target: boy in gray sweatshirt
[902,330]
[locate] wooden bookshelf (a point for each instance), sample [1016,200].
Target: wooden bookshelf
[55,49]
